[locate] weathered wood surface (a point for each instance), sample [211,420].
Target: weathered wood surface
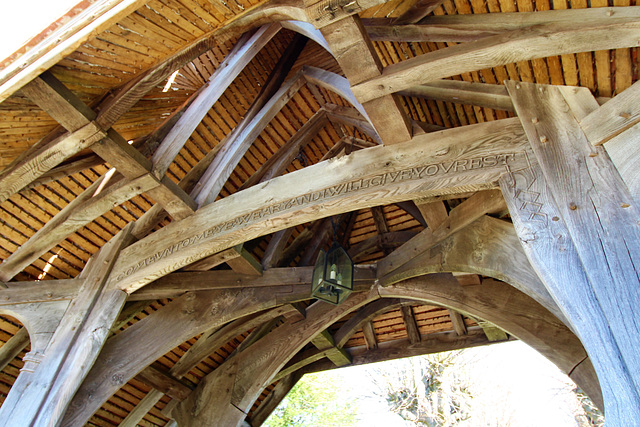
[241,54]
[381,242]
[465,28]
[98,198]
[41,320]
[584,193]
[51,49]
[273,399]
[142,408]
[20,173]
[503,306]
[184,318]
[519,45]
[370,338]
[62,42]
[210,340]
[39,291]
[489,247]
[462,215]
[410,324]
[335,83]
[398,349]
[281,159]
[177,284]
[74,346]
[417,11]
[251,371]
[461,159]
[359,61]
[624,153]
[458,323]
[13,347]
[480,94]
[617,124]
[613,118]
[351,117]
[364,315]
[230,155]
[164,382]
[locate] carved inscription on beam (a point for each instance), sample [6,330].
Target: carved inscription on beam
[472,158]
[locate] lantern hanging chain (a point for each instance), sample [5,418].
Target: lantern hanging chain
[335,229]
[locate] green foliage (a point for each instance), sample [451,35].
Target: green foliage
[315,401]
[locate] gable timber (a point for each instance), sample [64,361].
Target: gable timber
[311,172]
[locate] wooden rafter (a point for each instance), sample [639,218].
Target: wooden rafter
[354,52]
[461,216]
[540,41]
[483,141]
[465,28]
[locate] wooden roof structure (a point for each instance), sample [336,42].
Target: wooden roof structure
[172,168]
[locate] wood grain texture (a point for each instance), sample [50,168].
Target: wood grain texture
[75,344]
[462,215]
[13,347]
[503,306]
[247,373]
[470,27]
[230,155]
[519,45]
[613,118]
[241,54]
[588,194]
[463,92]
[460,159]
[85,208]
[158,333]
[489,247]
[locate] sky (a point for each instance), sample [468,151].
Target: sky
[513,385]
[22,19]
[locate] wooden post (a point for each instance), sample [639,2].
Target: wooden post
[75,344]
[574,217]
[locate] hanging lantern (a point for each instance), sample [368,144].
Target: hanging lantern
[332,275]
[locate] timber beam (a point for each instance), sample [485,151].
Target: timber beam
[353,50]
[59,102]
[398,349]
[474,155]
[572,213]
[512,46]
[462,215]
[466,28]
[73,347]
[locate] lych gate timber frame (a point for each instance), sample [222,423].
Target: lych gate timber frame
[534,213]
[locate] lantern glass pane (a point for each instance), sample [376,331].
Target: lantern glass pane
[317,278]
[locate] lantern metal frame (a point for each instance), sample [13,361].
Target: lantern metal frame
[332,279]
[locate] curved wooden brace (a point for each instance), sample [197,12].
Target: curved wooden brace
[489,247]
[40,319]
[158,333]
[208,342]
[519,45]
[226,395]
[462,159]
[307,30]
[512,311]
[335,83]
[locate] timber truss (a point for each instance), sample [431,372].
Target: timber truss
[524,227]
